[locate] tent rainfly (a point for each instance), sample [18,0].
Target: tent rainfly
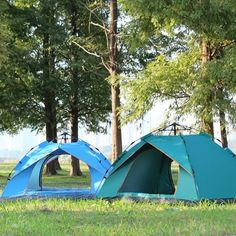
[26,178]
[143,171]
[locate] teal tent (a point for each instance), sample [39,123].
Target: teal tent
[205,170]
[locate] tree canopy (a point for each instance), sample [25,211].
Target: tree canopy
[199,76]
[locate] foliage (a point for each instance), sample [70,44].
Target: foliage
[36,82]
[11,51]
[193,87]
[162,79]
[181,81]
[204,17]
[83,74]
[5,34]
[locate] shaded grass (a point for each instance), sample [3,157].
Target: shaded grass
[100,217]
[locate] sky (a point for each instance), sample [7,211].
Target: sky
[16,146]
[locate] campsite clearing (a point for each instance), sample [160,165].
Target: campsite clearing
[99,217]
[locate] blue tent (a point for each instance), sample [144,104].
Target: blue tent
[26,177]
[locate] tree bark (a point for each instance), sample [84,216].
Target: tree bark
[207,124]
[49,94]
[116,130]
[51,135]
[75,163]
[223,131]
[115,87]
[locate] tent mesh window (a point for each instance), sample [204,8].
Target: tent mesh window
[150,172]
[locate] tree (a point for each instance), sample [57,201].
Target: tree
[86,94]
[115,87]
[107,16]
[37,36]
[206,19]
[4,35]
[53,78]
[12,85]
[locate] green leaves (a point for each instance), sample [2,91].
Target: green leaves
[178,73]
[44,70]
[162,79]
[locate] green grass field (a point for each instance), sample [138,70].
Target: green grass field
[99,217]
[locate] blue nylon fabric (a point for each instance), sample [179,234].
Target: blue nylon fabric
[18,184]
[25,180]
[43,150]
[28,155]
[83,150]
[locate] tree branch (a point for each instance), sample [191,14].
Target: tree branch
[92,54]
[85,50]
[101,26]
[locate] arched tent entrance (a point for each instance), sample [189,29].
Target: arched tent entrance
[149,172]
[64,177]
[144,171]
[25,180]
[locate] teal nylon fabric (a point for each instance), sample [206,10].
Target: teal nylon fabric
[149,174]
[127,154]
[214,167]
[173,147]
[207,171]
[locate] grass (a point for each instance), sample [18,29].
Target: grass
[63,179]
[5,169]
[100,217]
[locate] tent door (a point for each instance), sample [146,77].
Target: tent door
[150,172]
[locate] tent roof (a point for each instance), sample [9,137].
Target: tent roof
[177,152]
[26,177]
[81,149]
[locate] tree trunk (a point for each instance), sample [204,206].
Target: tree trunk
[49,94]
[75,167]
[74,73]
[116,130]
[75,163]
[207,123]
[57,164]
[115,87]
[223,131]
[207,126]
[51,136]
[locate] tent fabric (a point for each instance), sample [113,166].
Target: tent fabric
[26,177]
[206,170]
[147,168]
